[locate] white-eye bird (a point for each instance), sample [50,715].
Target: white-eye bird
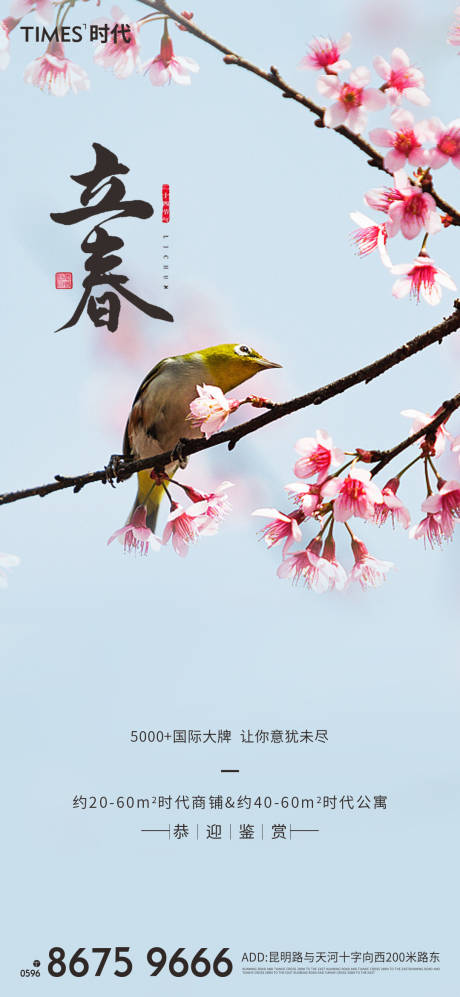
[158,418]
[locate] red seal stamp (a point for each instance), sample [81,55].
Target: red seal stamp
[63,281]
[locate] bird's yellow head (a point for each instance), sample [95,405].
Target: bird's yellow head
[229,364]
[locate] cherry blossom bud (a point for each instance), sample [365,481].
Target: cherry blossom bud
[158,476]
[259,402]
[188,16]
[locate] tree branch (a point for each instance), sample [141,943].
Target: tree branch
[273,77]
[278,411]
[428,432]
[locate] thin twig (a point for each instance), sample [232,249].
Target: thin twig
[274,78]
[278,411]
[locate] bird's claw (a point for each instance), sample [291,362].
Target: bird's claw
[112,471]
[178,454]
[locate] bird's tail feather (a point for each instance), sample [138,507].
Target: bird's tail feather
[148,496]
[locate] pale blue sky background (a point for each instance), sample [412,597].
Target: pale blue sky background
[96,643]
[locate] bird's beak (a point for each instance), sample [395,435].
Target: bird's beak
[268,363]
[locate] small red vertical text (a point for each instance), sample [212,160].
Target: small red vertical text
[165,216]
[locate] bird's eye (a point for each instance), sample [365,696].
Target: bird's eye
[244,351]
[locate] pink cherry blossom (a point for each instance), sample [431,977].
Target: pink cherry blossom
[282,527]
[404,141]
[453,38]
[136,534]
[183,525]
[355,495]
[421,277]
[445,503]
[338,578]
[367,570]
[323,574]
[391,506]
[211,409]
[4,45]
[370,236]
[6,26]
[44,9]
[431,529]
[402,79]
[447,138]
[308,497]
[294,565]
[326,54]
[414,212]
[167,66]
[421,419]
[117,54]
[316,572]
[53,73]
[381,198]
[352,100]
[7,561]
[317,456]
[455,444]
[215,506]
